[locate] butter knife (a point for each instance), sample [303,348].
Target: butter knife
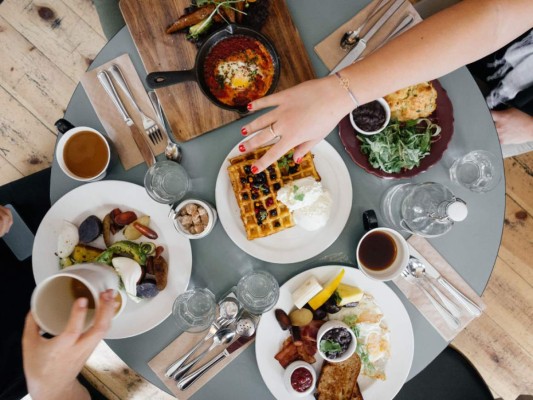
[470,306]
[188,380]
[356,52]
[138,137]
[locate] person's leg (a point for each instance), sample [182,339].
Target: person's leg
[110,16]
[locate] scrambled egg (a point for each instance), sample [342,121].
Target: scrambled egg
[238,75]
[373,341]
[413,102]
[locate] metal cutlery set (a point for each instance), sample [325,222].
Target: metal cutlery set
[418,274]
[152,132]
[355,43]
[233,326]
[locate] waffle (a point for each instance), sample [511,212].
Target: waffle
[261,213]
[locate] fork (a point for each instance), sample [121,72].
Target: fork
[450,319]
[150,127]
[219,323]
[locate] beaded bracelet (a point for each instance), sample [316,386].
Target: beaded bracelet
[345,83]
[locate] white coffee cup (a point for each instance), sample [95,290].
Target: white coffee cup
[52,299]
[374,258]
[60,154]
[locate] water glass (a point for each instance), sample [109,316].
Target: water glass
[258,291]
[476,171]
[166,181]
[195,310]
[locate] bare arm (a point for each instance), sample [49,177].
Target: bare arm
[306,113]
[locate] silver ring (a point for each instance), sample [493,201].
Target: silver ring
[276,136]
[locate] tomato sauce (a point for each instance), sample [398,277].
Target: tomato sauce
[238,69]
[301,379]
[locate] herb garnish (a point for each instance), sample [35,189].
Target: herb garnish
[329,346]
[401,145]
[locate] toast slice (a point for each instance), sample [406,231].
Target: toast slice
[338,381]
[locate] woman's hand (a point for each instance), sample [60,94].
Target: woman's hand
[52,365]
[304,115]
[513,126]
[6,220]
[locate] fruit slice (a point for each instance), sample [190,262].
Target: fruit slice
[348,294]
[326,293]
[306,292]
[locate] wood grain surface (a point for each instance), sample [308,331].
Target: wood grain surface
[188,111]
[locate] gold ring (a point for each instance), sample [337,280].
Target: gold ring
[273,133]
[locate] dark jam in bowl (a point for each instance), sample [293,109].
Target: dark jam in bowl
[301,379]
[340,336]
[369,117]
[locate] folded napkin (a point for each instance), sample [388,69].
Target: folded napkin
[179,347]
[114,125]
[329,49]
[425,252]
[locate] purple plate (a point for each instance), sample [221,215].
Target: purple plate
[443,116]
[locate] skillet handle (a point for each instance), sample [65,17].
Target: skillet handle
[156,80]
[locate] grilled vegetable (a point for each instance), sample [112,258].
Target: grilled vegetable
[83,253]
[90,229]
[131,233]
[149,233]
[124,247]
[106,227]
[125,218]
[283,319]
[301,317]
[191,19]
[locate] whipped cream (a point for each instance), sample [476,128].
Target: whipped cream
[308,201]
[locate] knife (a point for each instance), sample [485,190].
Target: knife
[354,54]
[138,137]
[188,380]
[472,307]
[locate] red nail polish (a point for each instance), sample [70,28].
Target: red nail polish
[242,149]
[244,132]
[299,160]
[249,106]
[254,169]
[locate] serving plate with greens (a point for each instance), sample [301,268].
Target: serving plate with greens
[403,149]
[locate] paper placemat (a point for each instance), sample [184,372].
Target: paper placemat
[179,347]
[114,125]
[425,252]
[329,49]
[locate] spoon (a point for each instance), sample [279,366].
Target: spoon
[245,328]
[172,151]
[223,336]
[351,38]
[470,306]
[418,270]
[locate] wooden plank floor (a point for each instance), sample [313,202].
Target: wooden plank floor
[46,46]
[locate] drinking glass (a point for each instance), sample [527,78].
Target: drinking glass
[476,171]
[258,291]
[166,181]
[195,310]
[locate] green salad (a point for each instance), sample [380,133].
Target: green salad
[401,145]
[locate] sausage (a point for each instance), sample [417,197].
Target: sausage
[149,233]
[191,19]
[125,218]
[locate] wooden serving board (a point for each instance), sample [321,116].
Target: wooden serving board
[188,111]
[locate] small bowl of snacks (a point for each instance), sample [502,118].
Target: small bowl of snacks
[194,218]
[336,342]
[300,379]
[371,118]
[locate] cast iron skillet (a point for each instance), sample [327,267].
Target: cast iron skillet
[157,80]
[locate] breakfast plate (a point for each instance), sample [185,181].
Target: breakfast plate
[270,336]
[294,244]
[99,198]
[443,116]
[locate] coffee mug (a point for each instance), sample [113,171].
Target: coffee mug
[382,254]
[83,154]
[52,299]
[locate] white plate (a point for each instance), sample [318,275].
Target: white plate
[270,337]
[99,198]
[294,244]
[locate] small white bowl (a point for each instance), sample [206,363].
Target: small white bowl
[386,107]
[329,325]
[211,213]
[287,378]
